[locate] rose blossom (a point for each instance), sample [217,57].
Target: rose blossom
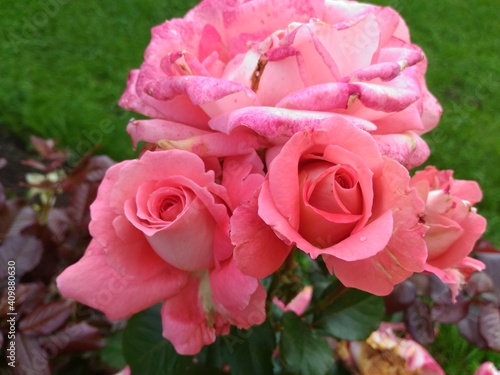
[330,192]
[454,225]
[386,353]
[487,368]
[300,59]
[160,228]
[299,303]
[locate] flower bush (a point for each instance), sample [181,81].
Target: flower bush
[277,160]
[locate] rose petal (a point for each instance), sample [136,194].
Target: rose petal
[93,282]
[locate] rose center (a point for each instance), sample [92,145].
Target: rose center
[170,208]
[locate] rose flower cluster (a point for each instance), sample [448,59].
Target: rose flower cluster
[272,128]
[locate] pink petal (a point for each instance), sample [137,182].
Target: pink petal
[242,176]
[407,148]
[473,227]
[216,144]
[258,251]
[321,97]
[393,96]
[154,130]
[93,282]
[184,321]
[299,303]
[239,298]
[179,109]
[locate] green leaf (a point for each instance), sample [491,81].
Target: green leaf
[249,352]
[145,349]
[112,353]
[352,316]
[304,352]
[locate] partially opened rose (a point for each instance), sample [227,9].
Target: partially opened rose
[384,352]
[454,225]
[160,228]
[330,193]
[289,59]
[487,368]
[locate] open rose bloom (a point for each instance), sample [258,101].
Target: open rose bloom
[274,127]
[383,352]
[280,67]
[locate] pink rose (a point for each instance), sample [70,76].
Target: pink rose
[260,60]
[384,352]
[160,228]
[454,225]
[299,303]
[331,193]
[487,368]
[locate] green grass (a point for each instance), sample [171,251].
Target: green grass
[459,38]
[455,355]
[65,65]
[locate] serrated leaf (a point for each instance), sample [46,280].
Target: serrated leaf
[250,351]
[352,316]
[303,350]
[489,326]
[47,318]
[145,349]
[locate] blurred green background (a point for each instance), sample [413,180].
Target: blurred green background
[64,65]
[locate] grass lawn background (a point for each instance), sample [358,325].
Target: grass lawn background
[64,66]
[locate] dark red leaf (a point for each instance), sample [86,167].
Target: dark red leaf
[450,312]
[79,337]
[35,164]
[44,147]
[8,212]
[57,222]
[484,246]
[31,358]
[489,326]
[26,251]
[439,291]
[2,196]
[419,323]
[79,203]
[47,318]
[401,297]
[28,296]
[469,328]
[24,218]
[492,263]
[479,282]
[422,283]
[97,167]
